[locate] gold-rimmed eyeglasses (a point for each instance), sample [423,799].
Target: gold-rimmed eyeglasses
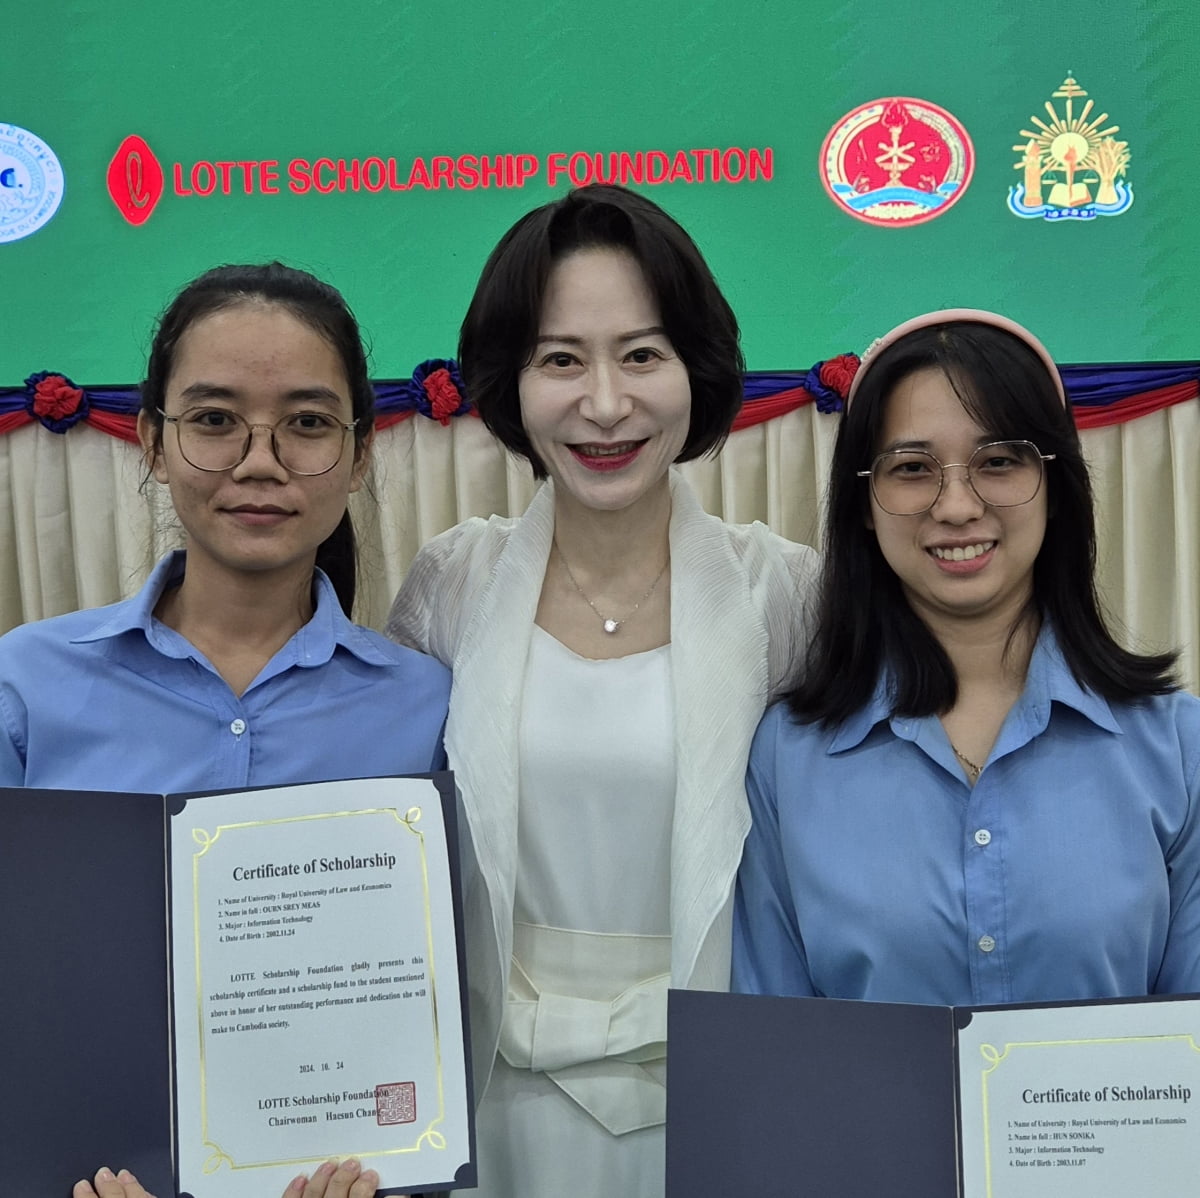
[908,482]
[216,439]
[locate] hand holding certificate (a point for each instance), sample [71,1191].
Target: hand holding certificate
[331,1180]
[315,988]
[311,953]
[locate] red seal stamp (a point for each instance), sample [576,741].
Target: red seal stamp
[395,1102]
[897,161]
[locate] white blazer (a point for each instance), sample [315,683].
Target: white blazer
[739,599]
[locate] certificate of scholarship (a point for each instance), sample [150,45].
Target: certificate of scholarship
[1081,1101]
[787,1096]
[310,1003]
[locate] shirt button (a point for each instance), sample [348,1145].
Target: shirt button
[986,944]
[237,727]
[983,836]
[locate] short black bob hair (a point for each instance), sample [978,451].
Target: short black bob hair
[866,623]
[500,330]
[312,302]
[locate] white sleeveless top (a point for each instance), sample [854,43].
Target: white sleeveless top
[576,1101]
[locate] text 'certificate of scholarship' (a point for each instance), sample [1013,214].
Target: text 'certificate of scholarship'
[779,1096]
[1081,1101]
[316,987]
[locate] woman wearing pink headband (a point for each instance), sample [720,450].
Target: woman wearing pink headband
[975,795]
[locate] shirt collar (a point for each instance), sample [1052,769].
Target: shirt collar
[853,730]
[330,628]
[137,613]
[313,645]
[1049,681]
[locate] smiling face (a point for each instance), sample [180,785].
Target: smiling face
[260,361]
[605,400]
[962,559]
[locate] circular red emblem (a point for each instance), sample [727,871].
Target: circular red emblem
[897,161]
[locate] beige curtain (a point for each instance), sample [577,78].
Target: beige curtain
[78,528]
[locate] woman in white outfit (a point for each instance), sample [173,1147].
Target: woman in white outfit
[612,651]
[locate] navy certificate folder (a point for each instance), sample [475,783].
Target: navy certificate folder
[86,1048]
[853,1100]
[838,1099]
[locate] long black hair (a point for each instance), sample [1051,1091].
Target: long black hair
[866,623]
[313,303]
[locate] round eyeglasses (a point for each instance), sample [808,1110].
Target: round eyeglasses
[908,482]
[304,443]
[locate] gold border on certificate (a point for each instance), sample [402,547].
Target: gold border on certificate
[995,1058]
[430,1135]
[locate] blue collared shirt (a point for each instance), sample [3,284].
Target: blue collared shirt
[112,699]
[1070,871]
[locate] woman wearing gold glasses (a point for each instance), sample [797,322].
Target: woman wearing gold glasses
[975,795]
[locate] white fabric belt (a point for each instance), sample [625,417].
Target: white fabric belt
[590,1011]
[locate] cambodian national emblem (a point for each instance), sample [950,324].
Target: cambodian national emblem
[897,161]
[31,183]
[1073,169]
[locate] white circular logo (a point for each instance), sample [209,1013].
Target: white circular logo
[31,183]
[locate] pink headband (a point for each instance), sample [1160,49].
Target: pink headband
[950,316]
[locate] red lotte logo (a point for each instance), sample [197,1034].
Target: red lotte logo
[136,179]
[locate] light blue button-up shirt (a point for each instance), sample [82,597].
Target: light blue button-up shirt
[112,699]
[1070,871]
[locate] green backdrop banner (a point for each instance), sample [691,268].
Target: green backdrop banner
[843,165]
